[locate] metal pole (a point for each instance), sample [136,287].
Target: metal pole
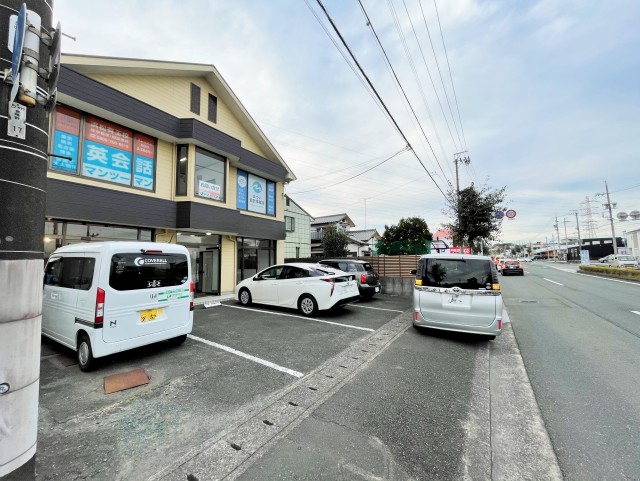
[579,239]
[558,232]
[613,231]
[566,238]
[23,183]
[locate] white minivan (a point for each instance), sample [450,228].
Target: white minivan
[458,292]
[106,297]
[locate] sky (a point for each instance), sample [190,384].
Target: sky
[544,97]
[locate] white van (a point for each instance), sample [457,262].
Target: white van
[458,292]
[106,297]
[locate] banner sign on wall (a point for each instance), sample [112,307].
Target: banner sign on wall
[65,140]
[257,198]
[271,198]
[107,151]
[145,152]
[243,181]
[209,190]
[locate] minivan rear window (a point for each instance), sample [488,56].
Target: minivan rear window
[462,273]
[133,271]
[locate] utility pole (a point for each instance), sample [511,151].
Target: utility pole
[579,239]
[558,233]
[566,238]
[27,95]
[613,231]
[459,158]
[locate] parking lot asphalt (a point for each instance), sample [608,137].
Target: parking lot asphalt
[196,391]
[262,393]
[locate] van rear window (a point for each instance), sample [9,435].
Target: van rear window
[133,271]
[462,273]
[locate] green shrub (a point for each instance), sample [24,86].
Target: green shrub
[620,273]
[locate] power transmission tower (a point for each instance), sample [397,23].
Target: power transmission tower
[590,224]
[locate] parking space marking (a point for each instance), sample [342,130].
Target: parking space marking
[302,317]
[247,356]
[376,308]
[636,312]
[553,281]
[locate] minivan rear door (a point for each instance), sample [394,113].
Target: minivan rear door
[146,293]
[458,291]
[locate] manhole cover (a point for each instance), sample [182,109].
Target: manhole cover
[125,380]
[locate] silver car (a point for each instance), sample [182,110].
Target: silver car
[458,292]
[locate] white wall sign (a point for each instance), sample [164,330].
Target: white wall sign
[209,190]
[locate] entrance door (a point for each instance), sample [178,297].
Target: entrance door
[211,271]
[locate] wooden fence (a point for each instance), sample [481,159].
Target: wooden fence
[393,266]
[385,266]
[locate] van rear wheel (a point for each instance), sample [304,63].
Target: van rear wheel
[86,361]
[176,341]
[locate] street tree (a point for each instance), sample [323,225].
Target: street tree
[334,242]
[474,214]
[409,236]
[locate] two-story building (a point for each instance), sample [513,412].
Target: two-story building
[164,151]
[297,221]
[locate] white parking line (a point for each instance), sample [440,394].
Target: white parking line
[553,281]
[376,308]
[247,356]
[636,312]
[301,317]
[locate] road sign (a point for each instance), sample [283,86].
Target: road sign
[511,214]
[18,39]
[499,214]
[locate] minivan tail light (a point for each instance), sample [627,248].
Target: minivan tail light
[333,284]
[153,252]
[99,318]
[363,278]
[191,295]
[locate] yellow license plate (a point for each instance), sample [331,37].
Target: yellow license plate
[150,315]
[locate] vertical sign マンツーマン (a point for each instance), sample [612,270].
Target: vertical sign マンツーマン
[241,197]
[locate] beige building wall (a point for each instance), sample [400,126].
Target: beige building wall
[173,95]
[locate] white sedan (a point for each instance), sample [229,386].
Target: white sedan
[305,286]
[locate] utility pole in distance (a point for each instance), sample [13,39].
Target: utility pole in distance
[27,94]
[459,158]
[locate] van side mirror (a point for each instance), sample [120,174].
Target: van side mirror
[413,271]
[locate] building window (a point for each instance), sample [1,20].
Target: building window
[213,108]
[195,99]
[287,201]
[289,224]
[210,175]
[91,147]
[255,194]
[182,170]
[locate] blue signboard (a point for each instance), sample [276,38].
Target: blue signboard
[18,41]
[106,163]
[243,181]
[66,145]
[143,172]
[271,198]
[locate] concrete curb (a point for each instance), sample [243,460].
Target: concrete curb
[520,445]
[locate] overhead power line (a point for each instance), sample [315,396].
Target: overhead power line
[453,87]
[333,184]
[399,130]
[384,53]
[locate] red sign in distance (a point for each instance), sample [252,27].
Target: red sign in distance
[510,214]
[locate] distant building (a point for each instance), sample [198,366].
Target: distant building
[297,243]
[365,241]
[341,221]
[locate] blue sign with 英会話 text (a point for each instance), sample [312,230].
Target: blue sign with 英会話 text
[106,163]
[143,172]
